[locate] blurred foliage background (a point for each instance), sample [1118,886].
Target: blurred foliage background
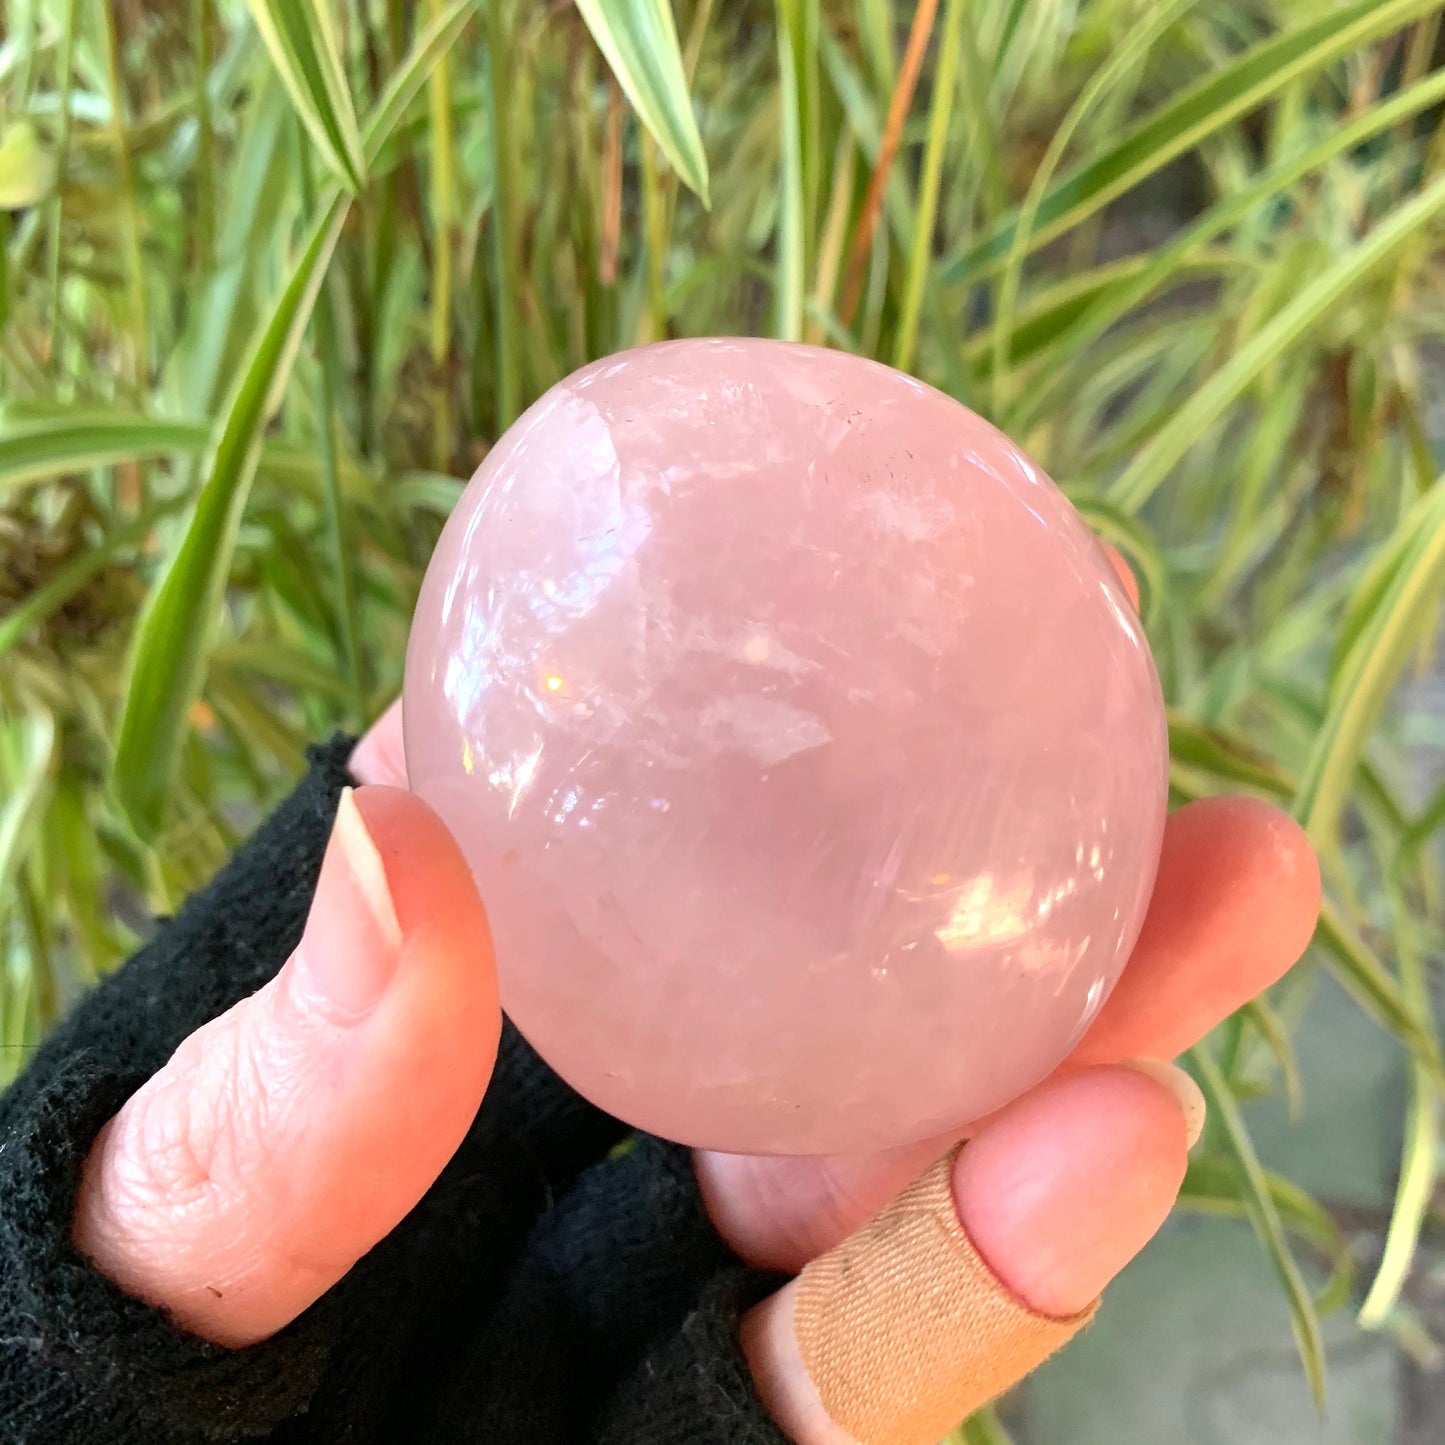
[274,274]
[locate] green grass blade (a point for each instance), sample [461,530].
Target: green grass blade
[1139,278]
[639,39]
[1123,59]
[983,1428]
[300,36]
[68,579]
[1263,1213]
[797,63]
[177,626]
[206,204]
[865,120]
[405,85]
[444,227]
[277,663]
[68,26]
[1370,593]
[1225,759]
[1011,24]
[328,392]
[507,267]
[920,259]
[37,449]
[983,145]
[654,227]
[252,715]
[1311,304]
[875,31]
[1275,1033]
[1365,978]
[178,623]
[1413,1197]
[1211,1187]
[1420,1154]
[223,317]
[27,747]
[1055,308]
[41,444]
[17,1023]
[78,877]
[1183,123]
[1399,616]
[130,206]
[1429,821]
[426,492]
[27,171]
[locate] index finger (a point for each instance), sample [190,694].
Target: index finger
[380,756]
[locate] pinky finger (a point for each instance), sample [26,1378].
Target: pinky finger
[982,1269]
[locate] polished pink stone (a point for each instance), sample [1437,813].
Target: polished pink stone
[807,750]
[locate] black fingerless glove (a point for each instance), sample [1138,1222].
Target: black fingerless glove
[559,1285]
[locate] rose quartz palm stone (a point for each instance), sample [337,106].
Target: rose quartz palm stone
[805,746]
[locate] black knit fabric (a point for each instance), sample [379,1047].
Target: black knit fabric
[559,1285]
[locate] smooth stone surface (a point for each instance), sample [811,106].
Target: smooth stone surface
[804,744]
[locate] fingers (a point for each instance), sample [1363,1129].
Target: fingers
[945,1303]
[286,1138]
[777,1213]
[1234,906]
[380,757]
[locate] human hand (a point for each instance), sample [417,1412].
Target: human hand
[242,1182]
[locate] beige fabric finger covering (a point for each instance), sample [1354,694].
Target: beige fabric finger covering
[904,1330]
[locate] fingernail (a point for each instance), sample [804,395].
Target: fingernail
[1067,1187]
[352,942]
[1184,1089]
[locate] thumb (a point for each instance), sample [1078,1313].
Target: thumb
[286,1138]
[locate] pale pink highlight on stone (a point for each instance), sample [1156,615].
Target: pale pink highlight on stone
[804,743]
